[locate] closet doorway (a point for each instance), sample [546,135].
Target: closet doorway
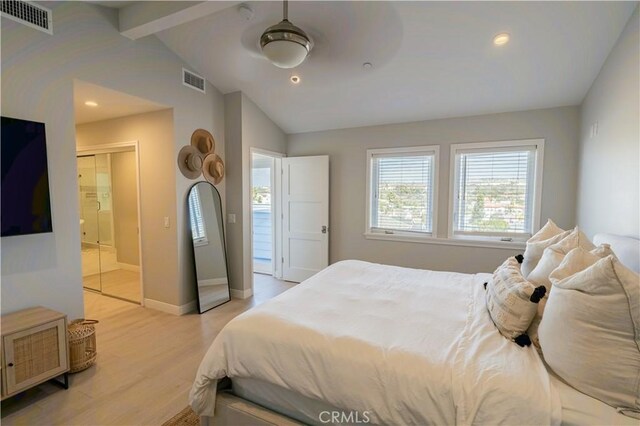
[108,186]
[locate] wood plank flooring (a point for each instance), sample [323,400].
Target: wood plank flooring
[147,361]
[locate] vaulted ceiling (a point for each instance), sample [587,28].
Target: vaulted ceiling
[430,59]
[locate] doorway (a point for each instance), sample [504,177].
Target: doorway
[263,206]
[109,221]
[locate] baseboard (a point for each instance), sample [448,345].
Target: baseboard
[169,308]
[128,267]
[241,294]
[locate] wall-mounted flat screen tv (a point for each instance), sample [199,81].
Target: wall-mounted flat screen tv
[26,204]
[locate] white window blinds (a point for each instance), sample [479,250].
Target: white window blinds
[402,187]
[198,230]
[494,191]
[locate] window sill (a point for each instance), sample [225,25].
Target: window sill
[506,245]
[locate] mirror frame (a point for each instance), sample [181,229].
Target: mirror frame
[193,254]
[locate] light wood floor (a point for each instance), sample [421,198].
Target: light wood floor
[120,283]
[147,361]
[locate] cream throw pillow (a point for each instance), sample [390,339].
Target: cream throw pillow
[548,235]
[553,259]
[553,255]
[590,334]
[512,301]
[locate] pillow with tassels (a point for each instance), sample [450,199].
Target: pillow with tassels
[512,301]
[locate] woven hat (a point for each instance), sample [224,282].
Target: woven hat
[190,162]
[213,169]
[203,141]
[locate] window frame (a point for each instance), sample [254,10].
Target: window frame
[536,197]
[395,234]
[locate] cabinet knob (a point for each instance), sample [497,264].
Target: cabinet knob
[10,364]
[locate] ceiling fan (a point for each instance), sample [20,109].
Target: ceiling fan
[285,44]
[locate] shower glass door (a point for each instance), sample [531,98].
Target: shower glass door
[109,224]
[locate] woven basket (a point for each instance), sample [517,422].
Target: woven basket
[82,344]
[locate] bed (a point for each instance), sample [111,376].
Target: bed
[386,345]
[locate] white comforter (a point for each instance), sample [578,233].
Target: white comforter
[406,346]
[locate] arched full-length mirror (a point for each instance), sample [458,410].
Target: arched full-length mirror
[209,252]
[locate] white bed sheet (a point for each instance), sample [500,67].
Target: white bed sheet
[579,409]
[407,346]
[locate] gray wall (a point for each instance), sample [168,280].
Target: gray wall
[246,127]
[125,206]
[347,151]
[38,70]
[609,178]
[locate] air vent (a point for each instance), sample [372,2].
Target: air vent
[29,14]
[193,80]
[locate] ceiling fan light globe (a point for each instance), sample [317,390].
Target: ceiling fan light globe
[285,53]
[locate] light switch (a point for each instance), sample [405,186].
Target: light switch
[166,222]
[231,218]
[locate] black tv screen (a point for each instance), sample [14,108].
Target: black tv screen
[26,205]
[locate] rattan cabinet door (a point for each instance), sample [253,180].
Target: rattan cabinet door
[35,355]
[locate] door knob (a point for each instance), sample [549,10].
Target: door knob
[324,229]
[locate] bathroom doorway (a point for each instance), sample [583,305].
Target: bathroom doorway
[109,221]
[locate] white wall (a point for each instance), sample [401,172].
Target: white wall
[347,156]
[247,127]
[609,177]
[37,84]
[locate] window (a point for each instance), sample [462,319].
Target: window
[198,230]
[402,191]
[495,189]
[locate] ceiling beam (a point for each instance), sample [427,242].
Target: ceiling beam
[142,18]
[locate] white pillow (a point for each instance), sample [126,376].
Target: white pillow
[549,234]
[512,301]
[553,255]
[561,266]
[590,334]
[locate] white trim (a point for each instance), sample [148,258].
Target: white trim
[124,147]
[241,294]
[169,308]
[128,267]
[507,245]
[537,196]
[429,149]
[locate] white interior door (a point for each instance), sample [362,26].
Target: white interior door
[305,214]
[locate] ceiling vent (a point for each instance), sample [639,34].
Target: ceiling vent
[193,80]
[30,14]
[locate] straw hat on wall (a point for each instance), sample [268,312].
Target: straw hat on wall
[213,169]
[203,141]
[190,162]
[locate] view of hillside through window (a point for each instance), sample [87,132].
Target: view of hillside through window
[493,191]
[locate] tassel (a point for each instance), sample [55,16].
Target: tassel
[538,294]
[523,340]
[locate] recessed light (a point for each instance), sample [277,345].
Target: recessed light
[501,39]
[91,103]
[367,65]
[295,79]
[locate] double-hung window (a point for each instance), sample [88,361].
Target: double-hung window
[402,191]
[495,189]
